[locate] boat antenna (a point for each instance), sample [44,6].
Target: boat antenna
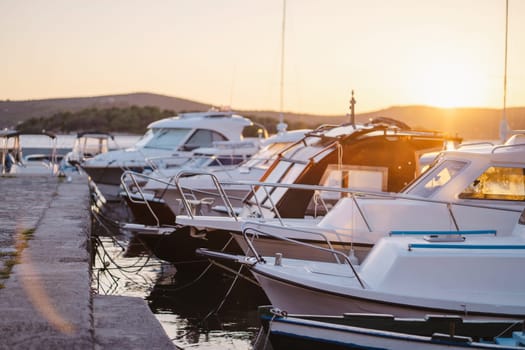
[281,127]
[352,110]
[504,126]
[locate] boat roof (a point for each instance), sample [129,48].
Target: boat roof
[15,133]
[228,148]
[193,120]
[349,134]
[226,123]
[285,137]
[9,133]
[95,134]
[513,150]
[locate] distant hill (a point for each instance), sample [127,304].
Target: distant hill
[13,112]
[470,123]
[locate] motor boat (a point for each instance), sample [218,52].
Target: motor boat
[372,156]
[472,274]
[473,187]
[175,138]
[89,144]
[155,199]
[13,161]
[156,204]
[374,331]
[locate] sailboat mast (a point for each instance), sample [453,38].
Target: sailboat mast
[281,127]
[506,48]
[504,127]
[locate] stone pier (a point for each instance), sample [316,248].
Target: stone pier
[46,301]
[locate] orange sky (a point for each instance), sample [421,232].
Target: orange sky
[227,52]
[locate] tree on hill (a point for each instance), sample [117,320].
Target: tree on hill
[132,120]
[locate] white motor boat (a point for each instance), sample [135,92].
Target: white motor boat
[373,157]
[175,138]
[13,162]
[475,187]
[346,155]
[89,144]
[475,275]
[156,204]
[158,201]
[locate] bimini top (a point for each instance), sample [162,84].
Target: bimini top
[8,133]
[96,135]
[336,154]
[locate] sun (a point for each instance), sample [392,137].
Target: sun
[453,85]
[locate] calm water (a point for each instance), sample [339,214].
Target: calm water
[65,142]
[211,311]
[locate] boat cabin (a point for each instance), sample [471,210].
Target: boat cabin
[372,157]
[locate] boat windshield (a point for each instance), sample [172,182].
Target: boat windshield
[198,161]
[163,138]
[264,158]
[437,177]
[90,146]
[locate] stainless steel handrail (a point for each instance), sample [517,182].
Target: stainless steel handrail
[353,193]
[362,193]
[220,189]
[328,250]
[497,148]
[324,238]
[133,178]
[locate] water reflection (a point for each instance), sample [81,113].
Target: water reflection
[211,310]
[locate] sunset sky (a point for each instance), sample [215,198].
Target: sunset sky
[228,52]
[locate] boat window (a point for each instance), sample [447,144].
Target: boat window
[229,160]
[289,178]
[306,154]
[164,138]
[198,161]
[285,172]
[203,138]
[264,158]
[273,177]
[436,177]
[497,183]
[366,178]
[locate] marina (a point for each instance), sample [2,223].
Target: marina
[238,206]
[64,244]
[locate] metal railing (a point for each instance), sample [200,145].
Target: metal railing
[338,255]
[256,232]
[352,193]
[500,147]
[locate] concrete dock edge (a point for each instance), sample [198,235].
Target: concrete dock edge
[47,301]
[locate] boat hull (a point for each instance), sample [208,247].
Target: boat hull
[310,300]
[383,331]
[142,214]
[179,246]
[268,246]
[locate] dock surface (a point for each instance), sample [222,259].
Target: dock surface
[46,299]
